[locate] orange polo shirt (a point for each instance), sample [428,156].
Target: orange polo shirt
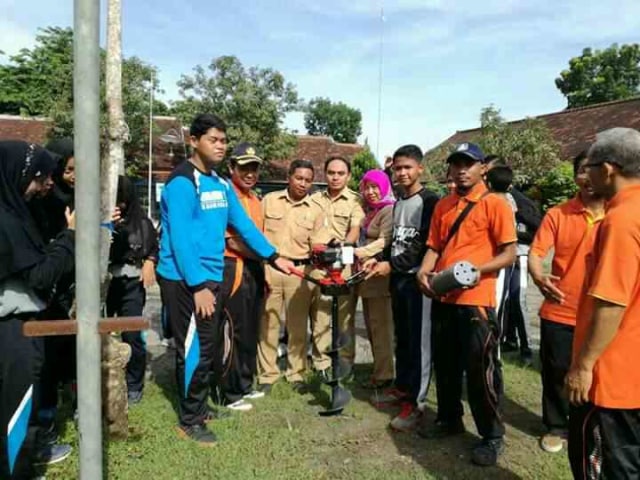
[253,207]
[487,227]
[569,229]
[613,275]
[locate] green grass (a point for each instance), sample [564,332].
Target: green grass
[284,438]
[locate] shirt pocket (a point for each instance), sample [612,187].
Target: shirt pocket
[341,219]
[273,221]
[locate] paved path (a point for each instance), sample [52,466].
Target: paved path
[363,348]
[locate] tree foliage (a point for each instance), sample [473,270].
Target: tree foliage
[337,120]
[527,146]
[252,101]
[601,76]
[39,82]
[361,163]
[556,186]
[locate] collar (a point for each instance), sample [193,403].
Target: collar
[475,194]
[285,194]
[624,195]
[577,206]
[240,193]
[342,194]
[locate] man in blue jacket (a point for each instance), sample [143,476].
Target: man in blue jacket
[195,209]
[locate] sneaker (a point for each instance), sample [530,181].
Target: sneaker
[265,388]
[552,442]
[47,435]
[408,418]
[240,406]
[441,429]
[198,433]
[387,397]
[377,384]
[254,395]
[215,414]
[299,387]
[487,452]
[134,397]
[52,454]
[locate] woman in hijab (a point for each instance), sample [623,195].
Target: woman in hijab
[29,270]
[375,235]
[132,265]
[60,352]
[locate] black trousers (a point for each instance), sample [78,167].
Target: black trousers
[126,298]
[20,365]
[465,338]
[412,325]
[604,443]
[244,307]
[59,365]
[515,328]
[556,340]
[200,349]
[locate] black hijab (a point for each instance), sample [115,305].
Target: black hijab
[62,148]
[21,245]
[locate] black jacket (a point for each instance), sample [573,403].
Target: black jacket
[528,217]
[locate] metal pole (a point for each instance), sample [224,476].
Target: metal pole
[86,110]
[149,180]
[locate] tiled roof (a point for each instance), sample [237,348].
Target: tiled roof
[575,129]
[166,155]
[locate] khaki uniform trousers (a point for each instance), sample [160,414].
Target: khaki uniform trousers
[321,324]
[378,317]
[288,302]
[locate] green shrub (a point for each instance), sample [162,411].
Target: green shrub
[556,186]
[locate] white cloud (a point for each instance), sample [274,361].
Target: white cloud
[14,37]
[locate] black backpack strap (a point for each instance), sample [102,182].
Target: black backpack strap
[464,214]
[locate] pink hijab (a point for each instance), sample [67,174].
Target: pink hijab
[379,178]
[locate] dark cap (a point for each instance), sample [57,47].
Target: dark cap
[468,150]
[245,153]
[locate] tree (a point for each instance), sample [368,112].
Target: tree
[253,102]
[527,146]
[556,186]
[336,120]
[39,82]
[361,163]
[601,76]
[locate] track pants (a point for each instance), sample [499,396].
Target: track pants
[200,349]
[20,364]
[412,324]
[604,443]
[515,314]
[556,340]
[126,298]
[243,311]
[465,338]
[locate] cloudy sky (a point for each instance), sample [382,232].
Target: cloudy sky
[444,60]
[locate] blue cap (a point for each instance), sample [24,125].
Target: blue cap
[469,150]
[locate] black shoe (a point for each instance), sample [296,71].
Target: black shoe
[526,359]
[198,433]
[509,346]
[441,429]
[52,454]
[265,388]
[47,434]
[299,387]
[215,414]
[134,397]
[487,452]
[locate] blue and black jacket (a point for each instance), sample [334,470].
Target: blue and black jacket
[194,212]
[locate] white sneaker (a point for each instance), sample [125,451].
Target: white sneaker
[253,395]
[407,420]
[240,405]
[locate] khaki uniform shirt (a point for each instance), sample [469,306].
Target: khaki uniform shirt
[378,236]
[338,215]
[288,225]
